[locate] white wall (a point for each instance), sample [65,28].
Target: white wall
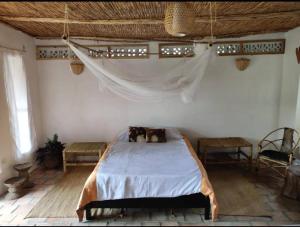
[229,102]
[12,38]
[290,93]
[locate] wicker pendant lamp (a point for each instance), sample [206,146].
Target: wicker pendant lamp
[76,65]
[179,19]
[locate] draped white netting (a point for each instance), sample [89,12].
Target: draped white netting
[181,79]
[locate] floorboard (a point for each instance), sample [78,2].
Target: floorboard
[284,212]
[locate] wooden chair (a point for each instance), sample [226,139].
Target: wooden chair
[277,153]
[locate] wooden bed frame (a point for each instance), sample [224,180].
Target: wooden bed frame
[197,200]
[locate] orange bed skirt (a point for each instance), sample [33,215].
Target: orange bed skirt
[89,192]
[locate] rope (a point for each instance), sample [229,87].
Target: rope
[211,24]
[104,51]
[66,25]
[67,19]
[215,7]
[66,34]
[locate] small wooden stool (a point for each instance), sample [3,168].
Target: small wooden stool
[15,187]
[23,172]
[291,186]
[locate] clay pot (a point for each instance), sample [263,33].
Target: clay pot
[77,67]
[51,162]
[242,63]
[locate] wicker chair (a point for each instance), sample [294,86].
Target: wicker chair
[277,153]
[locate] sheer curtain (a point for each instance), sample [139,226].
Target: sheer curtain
[18,99]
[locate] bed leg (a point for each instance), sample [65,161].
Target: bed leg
[123,213]
[88,214]
[173,213]
[206,213]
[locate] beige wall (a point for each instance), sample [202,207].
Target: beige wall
[228,103]
[12,38]
[290,94]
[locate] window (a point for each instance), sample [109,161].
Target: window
[18,103]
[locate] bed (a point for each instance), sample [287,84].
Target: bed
[148,175]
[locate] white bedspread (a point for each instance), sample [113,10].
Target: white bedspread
[136,170]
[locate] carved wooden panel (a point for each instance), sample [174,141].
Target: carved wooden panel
[129,52]
[175,50]
[251,47]
[99,51]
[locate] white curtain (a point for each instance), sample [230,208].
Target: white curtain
[143,83]
[19,105]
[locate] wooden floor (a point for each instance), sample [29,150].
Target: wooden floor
[283,210]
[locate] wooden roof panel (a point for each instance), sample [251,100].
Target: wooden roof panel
[233,18]
[239,8]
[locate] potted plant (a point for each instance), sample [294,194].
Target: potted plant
[50,156]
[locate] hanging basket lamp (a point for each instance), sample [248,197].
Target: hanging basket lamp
[179,19]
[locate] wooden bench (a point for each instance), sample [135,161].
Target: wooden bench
[83,149]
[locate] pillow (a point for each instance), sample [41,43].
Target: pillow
[173,134]
[156,135]
[122,136]
[137,134]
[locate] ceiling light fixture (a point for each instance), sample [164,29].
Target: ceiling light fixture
[179,19]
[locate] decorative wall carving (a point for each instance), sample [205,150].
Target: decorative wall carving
[175,50]
[165,50]
[111,51]
[251,47]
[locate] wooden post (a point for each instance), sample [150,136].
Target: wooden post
[257,164]
[239,153]
[250,157]
[88,213]
[298,54]
[207,212]
[64,161]
[204,155]
[198,147]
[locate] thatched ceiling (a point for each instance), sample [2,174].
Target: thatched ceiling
[123,19]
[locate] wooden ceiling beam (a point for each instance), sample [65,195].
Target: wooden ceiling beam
[110,39]
[241,34]
[87,22]
[198,39]
[204,19]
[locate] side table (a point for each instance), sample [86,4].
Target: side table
[84,149]
[226,142]
[23,170]
[15,187]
